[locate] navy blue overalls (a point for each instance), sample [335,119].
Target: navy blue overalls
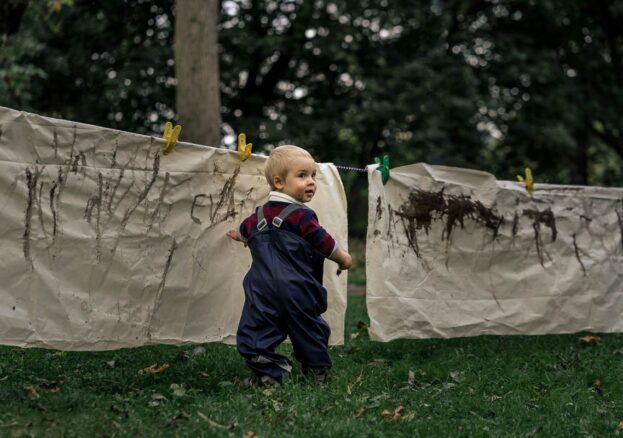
[284,297]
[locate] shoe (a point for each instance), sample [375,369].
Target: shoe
[321,378]
[260,381]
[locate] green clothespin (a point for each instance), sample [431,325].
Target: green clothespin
[383,167]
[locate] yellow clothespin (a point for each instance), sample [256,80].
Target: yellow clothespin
[170,135]
[527,180]
[243,147]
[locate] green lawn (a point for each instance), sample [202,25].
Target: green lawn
[487,386]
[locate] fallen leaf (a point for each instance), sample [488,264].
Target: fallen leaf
[178,390]
[111,363]
[212,423]
[362,325]
[392,415]
[378,363]
[457,376]
[154,369]
[375,402]
[204,374]
[620,426]
[411,378]
[359,412]
[250,435]
[590,339]
[182,416]
[354,335]
[32,393]
[156,400]
[277,406]
[409,417]
[349,388]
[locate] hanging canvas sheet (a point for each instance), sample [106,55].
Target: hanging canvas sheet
[108,243]
[454,252]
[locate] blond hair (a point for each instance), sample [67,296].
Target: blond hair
[279,161]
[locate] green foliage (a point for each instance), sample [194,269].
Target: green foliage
[105,63]
[553,386]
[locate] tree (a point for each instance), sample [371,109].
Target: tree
[196,70]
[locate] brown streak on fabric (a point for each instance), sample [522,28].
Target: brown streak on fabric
[114,155]
[167,266]
[586,218]
[31,183]
[410,231]
[40,208]
[141,197]
[547,218]
[379,209]
[423,207]
[577,254]
[53,210]
[226,196]
[192,207]
[74,164]
[55,143]
[123,195]
[152,217]
[114,192]
[98,231]
[620,218]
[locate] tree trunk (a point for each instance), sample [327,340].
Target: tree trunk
[197,72]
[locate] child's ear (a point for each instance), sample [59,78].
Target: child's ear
[278,183]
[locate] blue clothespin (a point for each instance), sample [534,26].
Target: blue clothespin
[383,167]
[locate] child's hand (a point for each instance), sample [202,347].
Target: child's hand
[342,258]
[346,262]
[233,234]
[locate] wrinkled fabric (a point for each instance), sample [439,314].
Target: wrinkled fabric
[453,252]
[108,243]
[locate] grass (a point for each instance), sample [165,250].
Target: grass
[486,386]
[357,274]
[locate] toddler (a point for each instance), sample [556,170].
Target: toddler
[284,295]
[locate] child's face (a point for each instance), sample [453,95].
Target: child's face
[300,181]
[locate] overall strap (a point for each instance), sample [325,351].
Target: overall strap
[277,220]
[261,220]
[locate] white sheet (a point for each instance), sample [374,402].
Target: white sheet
[452,252]
[107,243]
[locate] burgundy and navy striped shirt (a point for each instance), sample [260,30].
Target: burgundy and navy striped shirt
[302,222]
